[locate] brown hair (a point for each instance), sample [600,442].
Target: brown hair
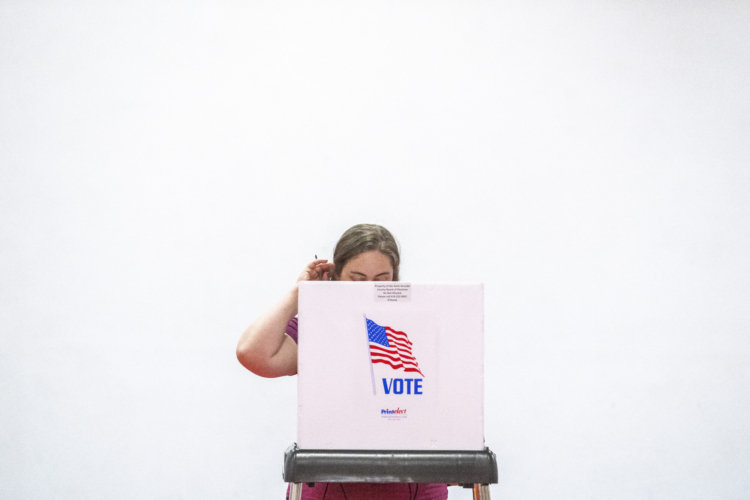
[365,238]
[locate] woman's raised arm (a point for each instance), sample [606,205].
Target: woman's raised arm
[264,348]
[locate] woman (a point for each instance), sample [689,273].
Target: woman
[365,252]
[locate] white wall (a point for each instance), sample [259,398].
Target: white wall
[167,169]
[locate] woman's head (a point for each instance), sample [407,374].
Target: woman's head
[366,252]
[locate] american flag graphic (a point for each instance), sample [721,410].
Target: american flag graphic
[391,347]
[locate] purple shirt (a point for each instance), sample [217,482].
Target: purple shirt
[368,491]
[373,491]
[291,329]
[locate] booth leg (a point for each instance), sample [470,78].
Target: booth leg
[481,492]
[295,491]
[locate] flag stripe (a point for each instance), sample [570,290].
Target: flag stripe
[397,335]
[379,350]
[403,346]
[383,355]
[395,352]
[396,367]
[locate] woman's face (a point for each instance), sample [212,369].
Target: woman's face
[368,266]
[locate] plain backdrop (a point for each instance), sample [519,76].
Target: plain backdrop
[168,168]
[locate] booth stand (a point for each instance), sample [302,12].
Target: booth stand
[470,469]
[390,386]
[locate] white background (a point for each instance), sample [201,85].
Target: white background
[167,169]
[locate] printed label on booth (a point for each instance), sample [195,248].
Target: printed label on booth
[392,292]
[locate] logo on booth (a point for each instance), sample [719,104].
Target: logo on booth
[398,413]
[393,348]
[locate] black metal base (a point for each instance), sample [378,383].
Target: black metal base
[385,466]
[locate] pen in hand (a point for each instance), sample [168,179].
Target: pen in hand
[322,275]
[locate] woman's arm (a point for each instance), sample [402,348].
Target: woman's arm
[264,348]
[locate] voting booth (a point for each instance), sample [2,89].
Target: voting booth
[390,385]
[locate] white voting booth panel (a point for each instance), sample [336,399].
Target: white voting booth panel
[390,366]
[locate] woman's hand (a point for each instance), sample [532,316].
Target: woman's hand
[317,270]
